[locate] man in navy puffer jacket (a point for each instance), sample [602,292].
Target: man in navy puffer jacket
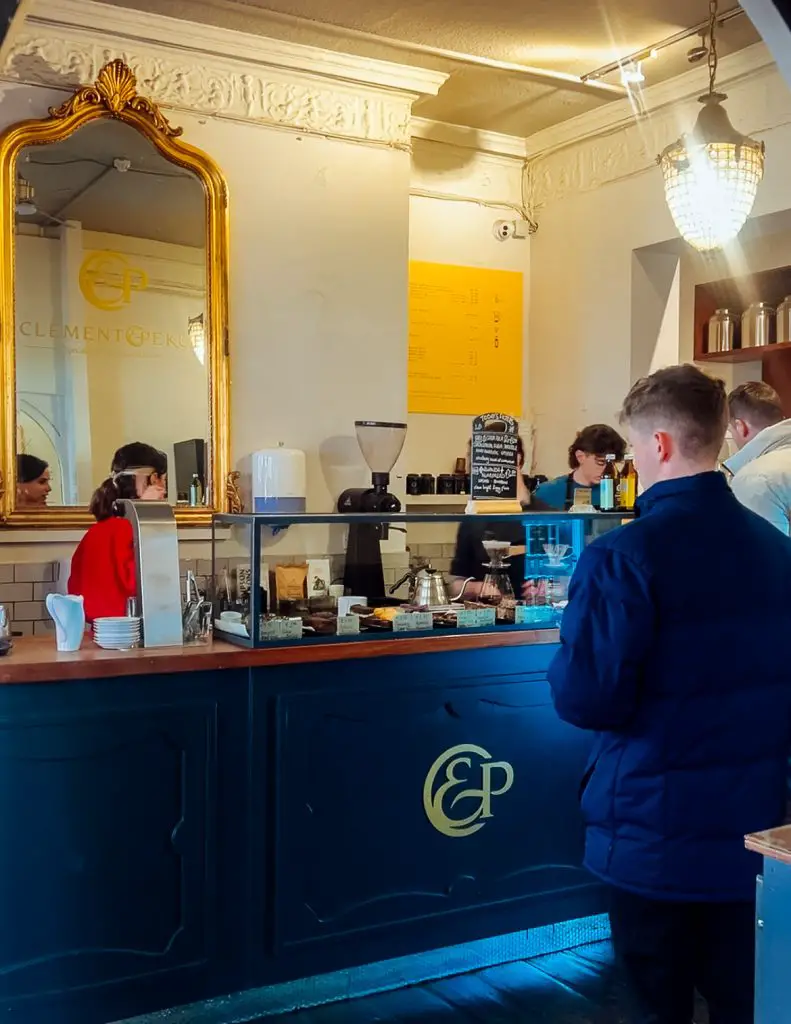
[674,650]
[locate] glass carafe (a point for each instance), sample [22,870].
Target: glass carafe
[497,586]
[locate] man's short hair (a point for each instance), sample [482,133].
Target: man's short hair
[756,403]
[597,439]
[684,400]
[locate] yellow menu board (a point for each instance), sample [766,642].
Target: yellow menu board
[465,340]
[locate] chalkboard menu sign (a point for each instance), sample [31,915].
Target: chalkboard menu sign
[495,438]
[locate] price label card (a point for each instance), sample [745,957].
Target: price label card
[423,620]
[485,616]
[404,623]
[271,629]
[291,629]
[467,618]
[348,625]
[524,615]
[413,622]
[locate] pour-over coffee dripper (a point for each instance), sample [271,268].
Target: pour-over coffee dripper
[497,551]
[497,586]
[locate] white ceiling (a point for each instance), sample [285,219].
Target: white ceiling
[571,36]
[76,180]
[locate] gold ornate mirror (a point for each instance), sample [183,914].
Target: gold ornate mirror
[113,306]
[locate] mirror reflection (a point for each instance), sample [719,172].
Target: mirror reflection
[110,312]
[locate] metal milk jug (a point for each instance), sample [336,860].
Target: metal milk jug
[784,321]
[722,332]
[758,324]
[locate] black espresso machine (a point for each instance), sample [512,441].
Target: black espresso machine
[381,444]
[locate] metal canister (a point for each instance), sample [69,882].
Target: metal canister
[722,331]
[784,321]
[758,325]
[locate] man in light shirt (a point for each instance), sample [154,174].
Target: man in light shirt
[761,467]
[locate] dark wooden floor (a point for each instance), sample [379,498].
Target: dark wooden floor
[578,987]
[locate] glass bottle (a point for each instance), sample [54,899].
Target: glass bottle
[627,491]
[196,491]
[607,486]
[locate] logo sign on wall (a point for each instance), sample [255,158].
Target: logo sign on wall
[107,280]
[448,787]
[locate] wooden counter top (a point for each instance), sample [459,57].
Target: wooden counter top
[774,843]
[37,661]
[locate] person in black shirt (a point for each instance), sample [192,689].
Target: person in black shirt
[470,555]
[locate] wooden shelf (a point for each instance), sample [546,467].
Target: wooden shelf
[736,294]
[745,355]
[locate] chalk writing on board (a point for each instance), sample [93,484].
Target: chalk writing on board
[495,456]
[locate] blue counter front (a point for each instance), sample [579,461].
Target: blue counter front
[186,832]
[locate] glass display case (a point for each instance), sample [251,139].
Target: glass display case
[280,578]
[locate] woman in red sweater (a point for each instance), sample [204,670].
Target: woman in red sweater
[103,566]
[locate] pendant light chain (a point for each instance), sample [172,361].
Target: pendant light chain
[713,56]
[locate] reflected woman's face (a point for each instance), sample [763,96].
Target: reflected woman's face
[34,494]
[151,486]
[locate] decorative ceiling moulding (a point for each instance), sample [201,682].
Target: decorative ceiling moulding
[463,137]
[218,73]
[609,144]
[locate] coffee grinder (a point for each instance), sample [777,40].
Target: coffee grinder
[380,444]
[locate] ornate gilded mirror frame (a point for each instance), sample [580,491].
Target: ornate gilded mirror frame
[114,95]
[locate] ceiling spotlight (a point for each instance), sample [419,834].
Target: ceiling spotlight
[25,205]
[699,52]
[653,54]
[632,73]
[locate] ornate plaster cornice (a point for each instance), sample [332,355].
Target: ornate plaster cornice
[184,66]
[610,143]
[495,144]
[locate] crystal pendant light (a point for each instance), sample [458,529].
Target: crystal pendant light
[712,174]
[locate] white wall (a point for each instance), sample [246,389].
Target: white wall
[600,200]
[319,243]
[448,229]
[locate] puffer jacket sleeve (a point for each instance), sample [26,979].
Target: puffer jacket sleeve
[607,631]
[759,493]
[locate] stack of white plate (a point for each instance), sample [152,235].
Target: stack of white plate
[116,633]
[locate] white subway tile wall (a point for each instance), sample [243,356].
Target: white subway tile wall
[23,591]
[24,588]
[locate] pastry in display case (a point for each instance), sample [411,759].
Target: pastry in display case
[281,578]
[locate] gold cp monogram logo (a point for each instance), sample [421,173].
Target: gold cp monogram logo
[440,800]
[107,280]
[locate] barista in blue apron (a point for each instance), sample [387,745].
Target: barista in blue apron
[587,458]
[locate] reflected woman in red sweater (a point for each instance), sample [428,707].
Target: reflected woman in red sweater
[103,566]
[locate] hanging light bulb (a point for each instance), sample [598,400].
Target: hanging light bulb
[712,174]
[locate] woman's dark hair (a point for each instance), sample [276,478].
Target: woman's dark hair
[597,439]
[127,459]
[29,468]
